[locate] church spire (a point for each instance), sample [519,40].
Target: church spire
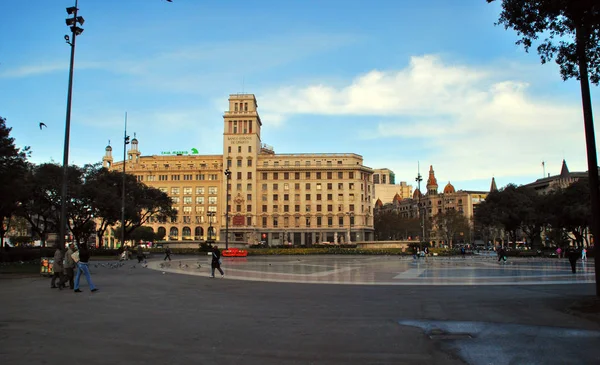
[564,170]
[432,185]
[493,187]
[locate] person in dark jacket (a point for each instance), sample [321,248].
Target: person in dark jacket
[69,267]
[82,268]
[573,255]
[59,256]
[167,254]
[216,262]
[140,253]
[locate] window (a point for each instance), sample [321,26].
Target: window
[286,208]
[297,186]
[249,175]
[329,221]
[341,221]
[286,175]
[307,196]
[212,190]
[264,197]
[239,163]
[296,197]
[275,197]
[340,186]
[329,186]
[275,176]
[297,221]
[318,175]
[248,186]
[340,197]
[249,197]
[329,196]
[340,175]
[199,200]
[318,207]
[239,149]
[199,209]
[351,186]
[297,208]
[264,222]
[162,177]
[264,209]
[330,208]
[286,197]
[151,177]
[187,177]
[250,147]
[187,209]
[329,175]
[319,221]
[351,175]
[297,175]
[164,190]
[275,221]
[307,186]
[175,177]
[307,208]
[264,187]
[212,209]
[308,221]
[249,162]
[307,163]
[276,163]
[286,221]
[248,221]
[351,197]
[286,186]
[318,196]
[200,177]
[319,186]
[228,162]
[200,190]
[308,175]
[297,163]
[238,207]
[186,200]
[351,209]
[174,191]
[175,200]
[212,200]
[239,175]
[238,186]
[187,191]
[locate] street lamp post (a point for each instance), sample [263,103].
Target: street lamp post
[210,237]
[421,216]
[228,175]
[125,143]
[350,219]
[75,31]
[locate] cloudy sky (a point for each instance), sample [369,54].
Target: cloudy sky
[398,82]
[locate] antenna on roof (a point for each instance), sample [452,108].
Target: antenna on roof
[544,168]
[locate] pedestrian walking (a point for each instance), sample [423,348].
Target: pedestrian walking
[583,254]
[82,257]
[167,254]
[573,255]
[59,256]
[69,267]
[501,254]
[140,253]
[215,263]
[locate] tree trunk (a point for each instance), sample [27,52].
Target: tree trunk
[588,121]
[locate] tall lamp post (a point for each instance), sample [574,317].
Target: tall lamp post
[210,236]
[75,31]
[125,143]
[418,179]
[350,219]
[228,174]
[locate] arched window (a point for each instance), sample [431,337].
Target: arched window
[173,233]
[198,233]
[186,233]
[162,232]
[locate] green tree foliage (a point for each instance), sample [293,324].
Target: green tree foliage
[561,23]
[389,225]
[570,210]
[450,224]
[13,166]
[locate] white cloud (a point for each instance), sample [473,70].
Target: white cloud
[475,122]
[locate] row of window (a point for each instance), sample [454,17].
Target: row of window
[307,197]
[212,190]
[308,221]
[307,208]
[298,163]
[240,126]
[307,175]
[307,186]
[199,200]
[177,177]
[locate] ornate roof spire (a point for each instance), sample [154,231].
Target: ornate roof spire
[564,170]
[493,187]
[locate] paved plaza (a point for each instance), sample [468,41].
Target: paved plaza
[391,270]
[447,312]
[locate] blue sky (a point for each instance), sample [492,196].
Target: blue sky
[394,81]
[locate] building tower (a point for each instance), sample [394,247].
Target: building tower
[107,160]
[134,152]
[493,187]
[432,185]
[241,146]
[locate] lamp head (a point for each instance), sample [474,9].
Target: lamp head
[67,38]
[72,10]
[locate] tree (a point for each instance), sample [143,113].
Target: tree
[576,25]
[13,166]
[450,223]
[532,213]
[143,234]
[570,210]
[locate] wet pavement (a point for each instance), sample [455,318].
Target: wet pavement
[389,270]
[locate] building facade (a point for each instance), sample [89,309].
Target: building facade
[386,188]
[433,202]
[298,199]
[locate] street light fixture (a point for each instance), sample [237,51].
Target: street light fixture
[72,22]
[418,179]
[210,235]
[228,174]
[350,219]
[125,143]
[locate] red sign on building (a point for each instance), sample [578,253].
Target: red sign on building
[238,220]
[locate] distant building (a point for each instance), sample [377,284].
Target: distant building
[560,181]
[385,187]
[432,202]
[298,199]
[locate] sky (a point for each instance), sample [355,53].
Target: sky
[401,82]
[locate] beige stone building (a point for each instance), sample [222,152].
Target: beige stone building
[386,188]
[295,199]
[434,202]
